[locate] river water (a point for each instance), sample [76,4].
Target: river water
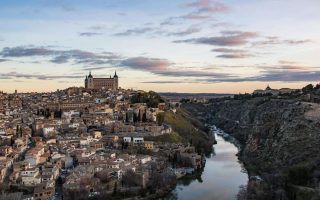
[220,179]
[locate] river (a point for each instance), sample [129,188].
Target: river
[219,180]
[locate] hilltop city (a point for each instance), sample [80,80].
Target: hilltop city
[97,141]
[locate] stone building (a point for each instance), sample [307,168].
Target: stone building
[101,83]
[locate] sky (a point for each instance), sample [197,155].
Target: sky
[211,46]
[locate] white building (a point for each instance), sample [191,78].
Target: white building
[127,139]
[138,140]
[47,130]
[30,177]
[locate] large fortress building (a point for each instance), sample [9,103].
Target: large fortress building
[101,83]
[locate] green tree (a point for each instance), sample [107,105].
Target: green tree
[307,89]
[299,175]
[160,118]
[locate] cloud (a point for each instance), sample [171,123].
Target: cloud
[23,51]
[268,73]
[235,55]
[156,31]
[188,31]
[169,21]
[202,10]
[3,60]
[89,34]
[61,59]
[165,68]
[232,53]
[97,27]
[273,40]
[90,68]
[277,73]
[122,14]
[296,41]
[178,19]
[227,50]
[163,82]
[289,76]
[61,56]
[227,38]
[208,6]
[154,65]
[150,64]
[287,66]
[287,62]
[172,21]
[222,24]
[136,31]
[195,16]
[14,75]
[286,71]
[271,77]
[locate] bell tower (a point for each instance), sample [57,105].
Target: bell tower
[90,82]
[115,81]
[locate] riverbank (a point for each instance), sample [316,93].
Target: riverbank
[279,141]
[221,178]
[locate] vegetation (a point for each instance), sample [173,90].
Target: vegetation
[151,98]
[307,89]
[299,175]
[103,176]
[160,118]
[183,100]
[181,123]
[130,178]
[172,137]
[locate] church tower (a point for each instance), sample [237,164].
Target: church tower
[115,81]
[90,83]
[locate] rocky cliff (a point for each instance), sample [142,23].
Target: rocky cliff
[280,141]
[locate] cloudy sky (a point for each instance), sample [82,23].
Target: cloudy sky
[169,45]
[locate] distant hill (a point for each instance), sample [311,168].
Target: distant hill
[173,96]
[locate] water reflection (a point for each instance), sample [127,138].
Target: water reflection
[220,179]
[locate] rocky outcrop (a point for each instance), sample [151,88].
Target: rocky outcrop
[280,141]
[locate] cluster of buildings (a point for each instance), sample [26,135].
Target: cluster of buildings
[84,139]
[274,92]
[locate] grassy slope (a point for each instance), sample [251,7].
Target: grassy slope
[184,131]
[173,137]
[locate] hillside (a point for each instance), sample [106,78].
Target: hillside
[280,143]
[187,129]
